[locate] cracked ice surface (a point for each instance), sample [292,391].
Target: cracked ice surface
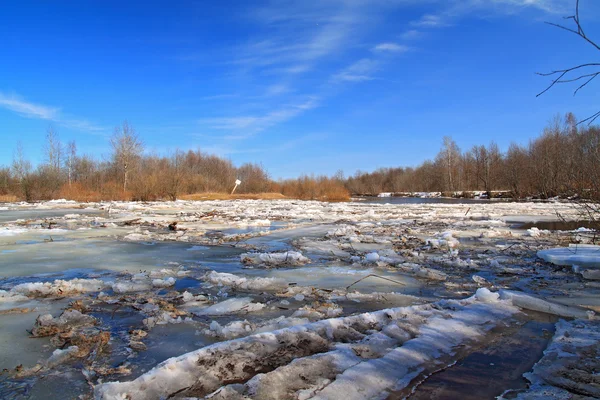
[316,297]
[370,353]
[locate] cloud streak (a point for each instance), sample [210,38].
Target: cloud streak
[251,125]
[359,71]
[32,110]
[391,48]
[27,109]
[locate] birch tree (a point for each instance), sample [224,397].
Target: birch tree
[127,149]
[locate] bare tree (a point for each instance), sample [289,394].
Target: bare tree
[70,161]
[580,75]
[449,158]
[127,148]
[21,166]
[53,151]
[22,171]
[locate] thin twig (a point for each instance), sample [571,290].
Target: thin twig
[376,276]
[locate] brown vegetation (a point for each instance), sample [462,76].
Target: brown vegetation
[563,161]
[310,188]
[8,198]
[226,196]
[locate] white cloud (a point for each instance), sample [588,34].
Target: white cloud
[391,47]
[277,89]
[458,8]
[37,111]
[359,71]
[28,109]
[430,21]
[254,124]
[410,34]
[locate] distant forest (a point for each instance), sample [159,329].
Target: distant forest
[563,161]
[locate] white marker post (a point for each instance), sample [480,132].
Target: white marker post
[237,182]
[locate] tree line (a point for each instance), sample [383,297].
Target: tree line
[130,174]
[563,161]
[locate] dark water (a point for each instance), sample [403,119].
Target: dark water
[419,200]
[561,225]
[13,215]
[493,369]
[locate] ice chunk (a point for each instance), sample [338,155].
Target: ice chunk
[569,367]
[163,283]
[372,257]
[226,279]
[530,302]
[60,356]
[535,232]
[443,240]
[285,258]
[59,287]
[486,296]
[424,272]
[387,362]
[231,306]
[584,255]
[131,286]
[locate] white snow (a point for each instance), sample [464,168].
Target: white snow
[445,240]
[12,231]
[535,232]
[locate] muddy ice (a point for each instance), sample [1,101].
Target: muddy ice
[296,300]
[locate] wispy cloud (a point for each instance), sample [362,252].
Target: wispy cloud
[228,149]
[359,71]
[250,125]
[410,34]
[32,110]
[28,109]
[277,89]
[452,10]
[391,47]
[430,21]
[220,96]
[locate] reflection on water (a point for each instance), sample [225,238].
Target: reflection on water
[561,225]
[25,214]
[424,200]
[104,254]
[488,372]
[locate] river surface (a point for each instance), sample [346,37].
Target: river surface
[340,258]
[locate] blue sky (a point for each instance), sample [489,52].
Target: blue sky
[299,86]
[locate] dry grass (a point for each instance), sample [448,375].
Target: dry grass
[8,198]
[320,188]
[77,192]
[226,196]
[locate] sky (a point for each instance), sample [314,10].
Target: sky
[299,86]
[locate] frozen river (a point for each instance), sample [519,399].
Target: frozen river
[287,299]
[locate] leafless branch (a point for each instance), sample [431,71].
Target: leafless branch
[567,72]
[590,120]
[563,72]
